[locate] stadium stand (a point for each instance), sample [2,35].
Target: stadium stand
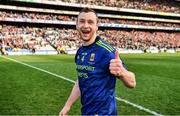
[46,17]
[34,28]
[158,5]
[152,5]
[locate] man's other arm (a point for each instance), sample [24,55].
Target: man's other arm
[75,93]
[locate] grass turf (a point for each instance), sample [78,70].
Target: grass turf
[24,90]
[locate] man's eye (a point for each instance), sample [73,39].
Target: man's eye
[81,21]
[90,22]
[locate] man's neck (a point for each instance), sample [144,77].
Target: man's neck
[92,40]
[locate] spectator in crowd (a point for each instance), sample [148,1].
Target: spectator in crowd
[2,48]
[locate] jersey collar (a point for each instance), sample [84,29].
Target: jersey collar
[97,38]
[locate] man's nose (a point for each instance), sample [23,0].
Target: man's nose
[86,24]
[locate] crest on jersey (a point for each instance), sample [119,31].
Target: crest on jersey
[92,57]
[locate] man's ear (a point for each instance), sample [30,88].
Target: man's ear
[97,27]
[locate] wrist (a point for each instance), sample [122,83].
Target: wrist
[123,73]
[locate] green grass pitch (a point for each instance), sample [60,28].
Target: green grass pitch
[24,90]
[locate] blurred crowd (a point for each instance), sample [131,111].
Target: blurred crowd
[141,40]
[54,17]
[14,38]
[153,5]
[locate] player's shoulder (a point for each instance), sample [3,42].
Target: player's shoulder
[104,45]
[77,53]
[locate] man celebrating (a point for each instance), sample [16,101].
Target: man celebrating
[98,66]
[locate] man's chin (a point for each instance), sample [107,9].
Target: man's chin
[85,38]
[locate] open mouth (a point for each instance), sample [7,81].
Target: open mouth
[85,32]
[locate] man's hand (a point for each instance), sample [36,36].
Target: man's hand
[116,67]
[64,111]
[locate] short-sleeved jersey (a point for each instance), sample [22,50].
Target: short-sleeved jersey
[96,83]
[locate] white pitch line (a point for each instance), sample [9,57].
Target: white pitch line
[39,69]
[138,106]
[119,99]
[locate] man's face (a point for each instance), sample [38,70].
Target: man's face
[87,25]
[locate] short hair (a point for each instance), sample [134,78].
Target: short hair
[86,10]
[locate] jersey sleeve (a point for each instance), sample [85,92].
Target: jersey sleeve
[107,57]
[111,55]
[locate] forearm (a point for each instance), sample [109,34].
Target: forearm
[75,93]
[128,78]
